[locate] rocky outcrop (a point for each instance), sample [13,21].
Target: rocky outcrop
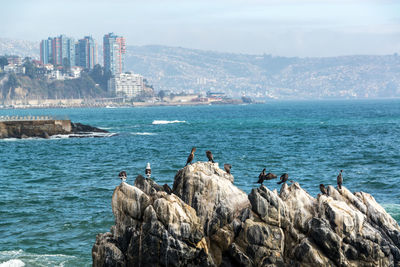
[208,221]
[45,129]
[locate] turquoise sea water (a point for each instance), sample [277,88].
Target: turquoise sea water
[56,194]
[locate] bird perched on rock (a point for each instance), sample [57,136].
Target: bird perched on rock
[323,189]
[264,176]
[227,168]
[210,156]
[122,176]
[167,189]
[148,170]
[284,178]
[339,179]
[191,156]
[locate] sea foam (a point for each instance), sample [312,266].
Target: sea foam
[166,122]
[12,263]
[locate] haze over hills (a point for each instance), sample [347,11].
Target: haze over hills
[259,76]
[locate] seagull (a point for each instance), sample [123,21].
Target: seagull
[191,156]
[210,156]
[122,176]
[148,170]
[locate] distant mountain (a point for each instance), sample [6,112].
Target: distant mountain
[259,76]
[19,47]
[265,76]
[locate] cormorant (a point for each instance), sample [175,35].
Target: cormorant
[210,156]
[167,189]
[122,176]
[227,168]
[264,176]
[323,189]
[191,156]
[284,178]
[339,179]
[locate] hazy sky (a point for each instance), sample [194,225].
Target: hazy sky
[277,27]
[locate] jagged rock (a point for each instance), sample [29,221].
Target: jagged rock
[207,221]
[210,191]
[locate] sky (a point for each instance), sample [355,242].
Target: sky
[311,28]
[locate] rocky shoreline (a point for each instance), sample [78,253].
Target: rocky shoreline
[208,221]
[22,129]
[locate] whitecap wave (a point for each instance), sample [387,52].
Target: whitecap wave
[144,133]
[12,263]
[166,122]
[82,135]
[19,258]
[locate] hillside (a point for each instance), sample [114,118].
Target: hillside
[267,76]
[260,76]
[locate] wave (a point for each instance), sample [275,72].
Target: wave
[19,258]
[166,122]
[144,133]
[61,136]
[12,263]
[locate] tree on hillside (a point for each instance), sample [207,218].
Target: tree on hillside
[100,76]
[30,68]
[10,86]
[161,94]
[3,62]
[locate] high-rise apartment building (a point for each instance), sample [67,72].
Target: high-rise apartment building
[58,51]
[86,52]
[67,51]
[126,84]
[46,51]
[113,52]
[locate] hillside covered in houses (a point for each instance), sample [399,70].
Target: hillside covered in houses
[178,70]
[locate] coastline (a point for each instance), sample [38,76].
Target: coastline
[102,103]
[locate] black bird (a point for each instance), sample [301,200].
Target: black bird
[122,176]
[284,178]
[261,177]
[191,156]
[167,189]
[323,189]
[339,179]
[210,156]
[264,176]
[227,168]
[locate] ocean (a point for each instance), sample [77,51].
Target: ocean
[56,193]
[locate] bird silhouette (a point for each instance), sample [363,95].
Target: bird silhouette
[191,156]
[227,168]
[323,190]
[262,177]
[210,156]
[339,179]
[284,178]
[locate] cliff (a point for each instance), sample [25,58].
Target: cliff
[208,221]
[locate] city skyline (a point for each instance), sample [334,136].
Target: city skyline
[285,28]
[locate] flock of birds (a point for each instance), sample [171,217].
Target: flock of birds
[261,178]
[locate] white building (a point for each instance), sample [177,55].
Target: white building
[126,84]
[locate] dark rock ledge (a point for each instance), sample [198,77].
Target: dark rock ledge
[208,221]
